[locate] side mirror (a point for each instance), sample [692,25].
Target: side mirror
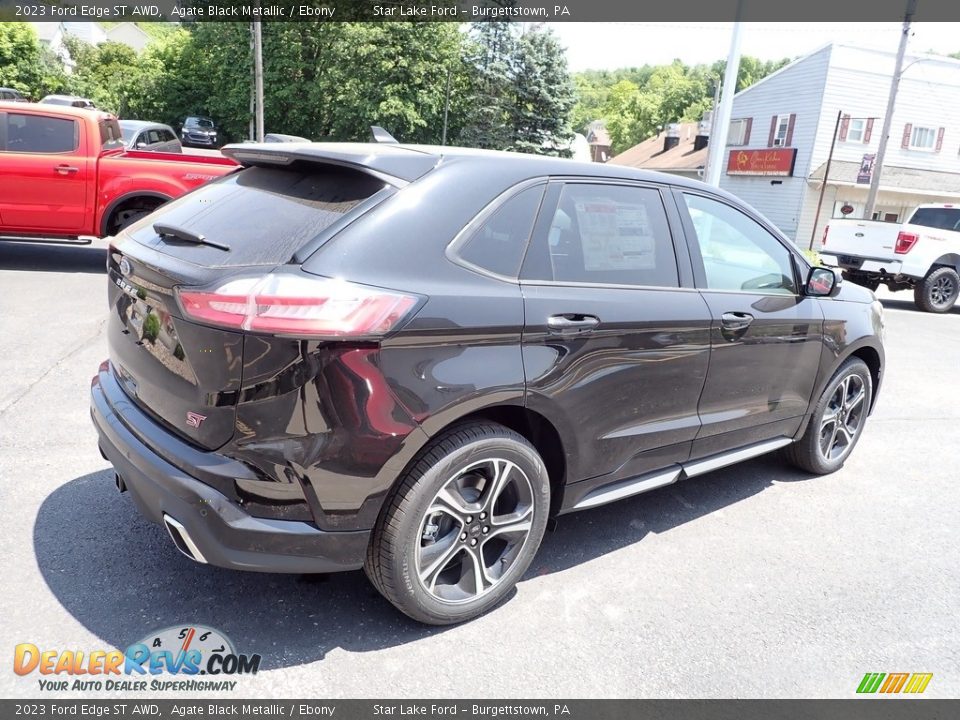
[823,282]
[141,145]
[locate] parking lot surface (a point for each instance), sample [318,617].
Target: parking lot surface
[753,581]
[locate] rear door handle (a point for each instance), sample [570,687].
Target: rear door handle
[572,323]
[66,169]
[735,320]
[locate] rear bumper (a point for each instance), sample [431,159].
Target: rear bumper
[864,265]
[203,523]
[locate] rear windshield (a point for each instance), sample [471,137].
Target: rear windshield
[940,218]
[111,138]
[264,215]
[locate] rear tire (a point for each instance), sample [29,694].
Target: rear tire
[462,526]
[837,421]
[938,291]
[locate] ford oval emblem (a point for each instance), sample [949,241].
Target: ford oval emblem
[125,268]
[858,234]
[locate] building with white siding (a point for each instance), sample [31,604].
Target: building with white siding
[782,128]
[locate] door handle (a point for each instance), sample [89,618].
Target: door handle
[572,323]
[66,169]
[735,320]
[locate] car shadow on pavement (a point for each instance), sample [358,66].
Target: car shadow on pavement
[121,577]
[50,257]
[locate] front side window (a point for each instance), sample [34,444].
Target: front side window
[498,245]
[738,253]
[607,235]
[41,134]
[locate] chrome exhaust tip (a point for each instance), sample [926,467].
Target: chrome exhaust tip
[181,538]
[118,481]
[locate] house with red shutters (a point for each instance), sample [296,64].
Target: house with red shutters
[782,129]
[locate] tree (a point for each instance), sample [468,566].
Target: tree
[545,95]
[491,57]
[25,65]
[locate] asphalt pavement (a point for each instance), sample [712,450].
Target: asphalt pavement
[754,581]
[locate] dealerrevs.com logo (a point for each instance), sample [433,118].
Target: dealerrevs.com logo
[182,651]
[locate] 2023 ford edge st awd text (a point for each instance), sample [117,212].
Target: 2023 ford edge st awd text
[408,359]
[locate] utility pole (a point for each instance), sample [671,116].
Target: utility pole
[252,128]
[446,110]
[888,117]
[713,120]
[826,174]
[258,73]
[721,123]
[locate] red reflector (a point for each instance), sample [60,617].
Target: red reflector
[297,305]
[905,241]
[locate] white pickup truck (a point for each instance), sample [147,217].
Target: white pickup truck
[922,255]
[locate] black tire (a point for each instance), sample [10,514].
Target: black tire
[809,452]
[130,212]
[938,291]
[461,462]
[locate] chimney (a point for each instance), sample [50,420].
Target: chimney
[672,138]
[703,132]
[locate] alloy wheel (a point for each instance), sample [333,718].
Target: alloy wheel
[474,530]
[842,417]
[942,290]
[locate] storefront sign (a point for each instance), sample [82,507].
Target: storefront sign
[774,161]
[866,169]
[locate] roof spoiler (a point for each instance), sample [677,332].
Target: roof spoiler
[379,135]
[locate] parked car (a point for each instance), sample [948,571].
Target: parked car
[198,131]
[922,255]
[70,100]
[439,349]
[11,95]
[64,173]
[142,135]
[280,137]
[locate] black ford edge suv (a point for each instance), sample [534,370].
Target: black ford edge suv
[409,358]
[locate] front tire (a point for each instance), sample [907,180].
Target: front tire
[837,421]
[938,291]
[462,526]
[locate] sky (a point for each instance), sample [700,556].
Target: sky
[607,46]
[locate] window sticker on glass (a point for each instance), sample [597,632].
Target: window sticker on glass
[616,236]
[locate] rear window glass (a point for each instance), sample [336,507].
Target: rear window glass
[41,134]
[264,215]
[940,218]
[499,243]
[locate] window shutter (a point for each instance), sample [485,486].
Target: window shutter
[844,127]
[746,131]
[868,132]
[907,131]
[939,140]
[788,141]
[773,131]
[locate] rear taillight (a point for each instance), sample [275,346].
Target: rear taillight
[286,304]
[905,242]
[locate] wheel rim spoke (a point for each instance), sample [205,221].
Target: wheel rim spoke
[842,417]
[438,560]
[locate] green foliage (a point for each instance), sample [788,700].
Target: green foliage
[151,327]
[636,103]
[25,65]
[520,94]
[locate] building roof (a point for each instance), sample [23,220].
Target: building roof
[650,155]
[902,179]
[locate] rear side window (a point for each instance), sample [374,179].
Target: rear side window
[41,134]
[498,244]
[264,215]
[606,235]
[939,218]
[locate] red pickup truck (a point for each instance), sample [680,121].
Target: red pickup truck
[64,174]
